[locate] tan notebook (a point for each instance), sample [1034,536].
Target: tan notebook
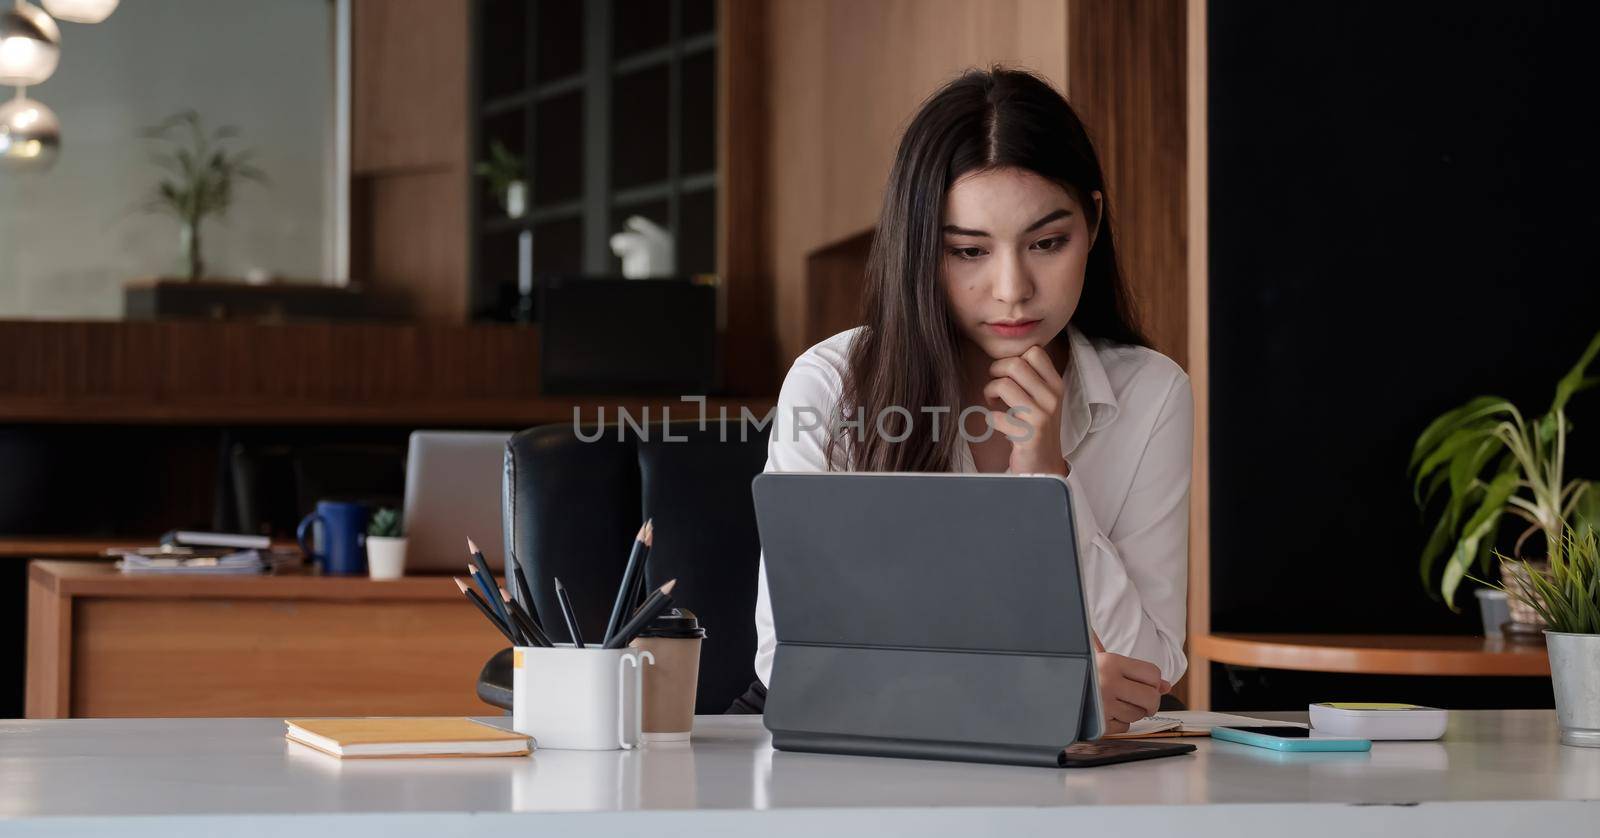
[407,737]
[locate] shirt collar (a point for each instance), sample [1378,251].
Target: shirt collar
[1091,405]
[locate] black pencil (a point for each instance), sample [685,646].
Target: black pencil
[527,593]
[519,615]
[568,615]
[486,579]
[489,592]
[478,601]
[641,584]
[519,635]
[630,573]
[658,602]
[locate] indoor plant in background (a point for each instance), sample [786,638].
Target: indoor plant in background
[1566,595]
[504,172]
[201,177]
[1487,459]
[386,547]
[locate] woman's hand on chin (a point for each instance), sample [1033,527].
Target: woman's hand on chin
[1129,689]
[1029,386]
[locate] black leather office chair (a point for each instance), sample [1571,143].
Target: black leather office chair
[573,507]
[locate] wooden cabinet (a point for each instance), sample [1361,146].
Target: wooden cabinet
[104,644]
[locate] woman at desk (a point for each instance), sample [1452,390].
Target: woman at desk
[998,328]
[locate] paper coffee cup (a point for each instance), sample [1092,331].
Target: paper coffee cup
[670,686]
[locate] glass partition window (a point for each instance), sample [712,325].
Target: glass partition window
[589,113]
[76,234]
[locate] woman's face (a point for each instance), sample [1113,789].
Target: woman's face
[1015,246]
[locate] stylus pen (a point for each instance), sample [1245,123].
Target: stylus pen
[568,615]
[487,580]
[527,594]
[658,602]
[630,571]
[478,601]
[519,617]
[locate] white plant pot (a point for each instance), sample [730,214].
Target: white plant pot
[1575,670]
[386,557]
[516,199]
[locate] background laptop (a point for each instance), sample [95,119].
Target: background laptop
[453,482]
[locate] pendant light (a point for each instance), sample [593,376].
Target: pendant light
[30,45]
[80,11]
[30,134]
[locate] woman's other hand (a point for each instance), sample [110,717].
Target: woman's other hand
[1129,689]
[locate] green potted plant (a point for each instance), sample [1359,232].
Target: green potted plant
[1566,594]
[386,547]
[504,173]
[201,177]
[1486,459]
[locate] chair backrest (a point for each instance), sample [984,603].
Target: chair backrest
[573,503]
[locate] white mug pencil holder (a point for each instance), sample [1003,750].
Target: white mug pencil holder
[578,699]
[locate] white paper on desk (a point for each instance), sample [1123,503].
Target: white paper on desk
[1200,721]
[1151,724]
[1191,723]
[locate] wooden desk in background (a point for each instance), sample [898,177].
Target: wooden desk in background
[1375,654]
[104,644]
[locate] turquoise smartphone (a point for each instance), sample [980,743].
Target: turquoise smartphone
[1289,738]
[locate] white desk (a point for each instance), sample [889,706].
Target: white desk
[1495,773]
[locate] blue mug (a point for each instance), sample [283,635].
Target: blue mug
[344,537]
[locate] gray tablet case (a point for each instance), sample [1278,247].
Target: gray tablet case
[935,616]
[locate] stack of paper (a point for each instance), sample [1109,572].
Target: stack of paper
[242,562]
[1190,723]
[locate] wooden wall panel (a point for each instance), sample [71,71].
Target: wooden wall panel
[409,156]
[408,74]
[417,257]
[1126,76]
[834,276]
[202,372]
[845,76]
[749,345]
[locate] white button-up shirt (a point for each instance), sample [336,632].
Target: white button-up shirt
[1127,431]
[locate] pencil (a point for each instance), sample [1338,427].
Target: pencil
[652,608]
[477,601]
[527,593]
[568,615]
[489,589]
[520,617]
[641,585]
[518,635]
[486,579]
[630,573]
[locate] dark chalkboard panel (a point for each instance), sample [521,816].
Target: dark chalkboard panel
[1404,213]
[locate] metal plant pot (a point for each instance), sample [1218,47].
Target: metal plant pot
[1575,669]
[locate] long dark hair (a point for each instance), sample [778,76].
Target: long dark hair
[908,356]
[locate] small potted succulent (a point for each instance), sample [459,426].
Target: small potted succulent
[1566,595]
[386,547]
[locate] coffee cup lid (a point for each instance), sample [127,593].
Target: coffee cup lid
[678,622]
